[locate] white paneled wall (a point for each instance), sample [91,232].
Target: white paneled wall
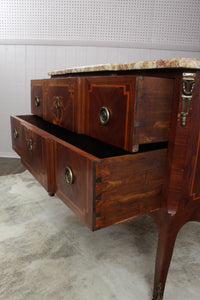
[21,63]
[165,23]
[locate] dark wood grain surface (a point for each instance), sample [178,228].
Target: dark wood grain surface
[153,106]
[130,186]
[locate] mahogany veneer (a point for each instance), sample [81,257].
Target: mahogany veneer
[116,145]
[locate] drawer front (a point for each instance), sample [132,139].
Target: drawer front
[110,109]
[60,102]
[37,97]
[33,152]
[36,151]
[77,194]
[16,134]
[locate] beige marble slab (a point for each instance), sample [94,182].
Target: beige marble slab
[189,63]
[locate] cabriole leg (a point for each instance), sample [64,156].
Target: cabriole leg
[168,231]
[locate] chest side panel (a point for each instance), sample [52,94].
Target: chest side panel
[191,182]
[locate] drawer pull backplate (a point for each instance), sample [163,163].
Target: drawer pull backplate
[30,145]
[15,133]
[104,115]
[57,102]
[68,175]
[37,101]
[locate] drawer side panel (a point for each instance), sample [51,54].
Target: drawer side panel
[153,106]
[129,186]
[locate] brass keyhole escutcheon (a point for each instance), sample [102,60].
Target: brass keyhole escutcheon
[37,101]
[30,145]
[104,115]
[68,175]
[57,102]
[15,133]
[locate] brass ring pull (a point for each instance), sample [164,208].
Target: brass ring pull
[37,101]
[30,145]
[57,102]
[68,175]
[15,133]
[104,115]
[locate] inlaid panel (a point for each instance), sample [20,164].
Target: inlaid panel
[115,97]
[34,154]
[36,150]
[37,97]
[16,135]
[78,194]
[60,102]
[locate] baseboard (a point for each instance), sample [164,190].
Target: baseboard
[9,154]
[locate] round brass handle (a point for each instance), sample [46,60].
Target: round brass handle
[68,175]
[57,102]
[37,101]
[30,145]
[104,115]
[15,133]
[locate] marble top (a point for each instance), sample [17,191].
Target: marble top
[189,63]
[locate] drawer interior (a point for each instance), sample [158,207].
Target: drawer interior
[86,143]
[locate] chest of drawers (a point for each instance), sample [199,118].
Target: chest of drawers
[137,108]
[113,144]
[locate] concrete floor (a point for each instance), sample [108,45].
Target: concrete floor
[11,166]
[46,252]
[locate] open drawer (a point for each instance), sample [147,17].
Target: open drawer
[36,151]
[102,184]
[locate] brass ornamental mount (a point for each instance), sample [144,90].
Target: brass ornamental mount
[37,101]
[185,107]
[158,293]
[188,84]
[15,133]
[68,175]
[104,115]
